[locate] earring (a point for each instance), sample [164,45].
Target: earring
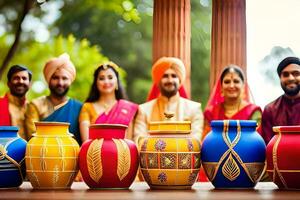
[222,93]
[117,87]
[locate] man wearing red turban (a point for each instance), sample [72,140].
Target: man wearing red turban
[59,73]
[168,73]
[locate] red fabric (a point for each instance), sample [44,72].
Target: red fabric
[122,113]
[214,109]
[218,113]
[154,92]
[217,98]
[4,112]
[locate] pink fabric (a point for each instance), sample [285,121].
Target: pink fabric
[122,113]
[4,112]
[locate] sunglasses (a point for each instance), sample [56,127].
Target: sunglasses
[286,74]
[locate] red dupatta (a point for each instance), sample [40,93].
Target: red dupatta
[216,99]
[4,112]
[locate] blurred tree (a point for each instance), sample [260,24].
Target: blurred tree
[124,33]
[28,4]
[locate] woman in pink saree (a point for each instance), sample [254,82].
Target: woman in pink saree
[106,102]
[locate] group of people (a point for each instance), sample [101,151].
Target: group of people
[107,100]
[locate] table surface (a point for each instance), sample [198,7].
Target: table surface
[141,191]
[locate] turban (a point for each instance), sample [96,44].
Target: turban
[61,62]
[285,62]
[164,63]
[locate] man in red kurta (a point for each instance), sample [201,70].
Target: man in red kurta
[285,110]
[12,105]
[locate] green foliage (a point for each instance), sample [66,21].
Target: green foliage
[86,58]
[125,42]
[200,50]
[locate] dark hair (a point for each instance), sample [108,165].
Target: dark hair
[285,62]
[231,68]
[18,68]
[94,93]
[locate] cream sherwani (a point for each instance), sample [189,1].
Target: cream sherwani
[184,110]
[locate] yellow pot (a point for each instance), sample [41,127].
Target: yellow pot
[170,156]
[52,156]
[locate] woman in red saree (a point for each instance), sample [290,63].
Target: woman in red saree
[106,102]
[229,100]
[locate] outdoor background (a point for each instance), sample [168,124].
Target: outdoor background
[93,31]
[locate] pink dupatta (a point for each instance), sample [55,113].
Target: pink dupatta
[121,113]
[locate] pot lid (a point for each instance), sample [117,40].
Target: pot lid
[169,126]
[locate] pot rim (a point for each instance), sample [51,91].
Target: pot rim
[169,132]
[233,123]
[169,122]
[46,123]
[9,128]
[108,126]
[291,129]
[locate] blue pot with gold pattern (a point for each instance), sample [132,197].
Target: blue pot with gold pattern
[233,154]
[12,153]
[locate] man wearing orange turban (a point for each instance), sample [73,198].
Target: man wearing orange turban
[59,73]
[168,73]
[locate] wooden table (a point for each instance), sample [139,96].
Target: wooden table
[141,191]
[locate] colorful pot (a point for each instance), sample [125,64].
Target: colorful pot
[52,156]
[107,160]
[233,154]
[12,154]
[283,153]
[170,156]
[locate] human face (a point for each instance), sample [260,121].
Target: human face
[290,80]
[19,83]
[107,81]
[59,83]
[232,86]
[169,83]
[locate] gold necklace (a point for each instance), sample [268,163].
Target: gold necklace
[230,111]
[107,106]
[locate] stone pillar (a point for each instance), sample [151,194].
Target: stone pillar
[228,40]
[172,33]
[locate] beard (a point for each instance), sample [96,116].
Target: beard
[165,91]
[19,90]
[291,91]
[59,91]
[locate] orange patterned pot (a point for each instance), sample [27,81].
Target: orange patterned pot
[170,156]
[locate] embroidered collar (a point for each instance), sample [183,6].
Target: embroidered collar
[172,99]
[16,100]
